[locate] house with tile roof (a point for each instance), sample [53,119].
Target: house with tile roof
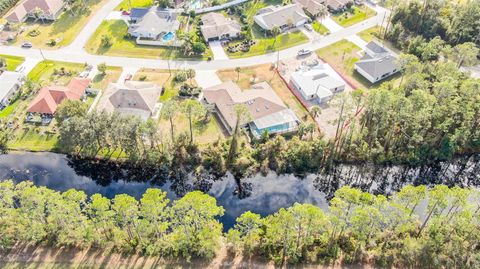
[133,98]
[50,97]
[284,17]
[40,9]
[377,63]
[269,113]
[216,27]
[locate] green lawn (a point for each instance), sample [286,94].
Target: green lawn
[121,46]
[43,72]
[9,109]
[64,29]
[125,5]
[12,61]
[320,28]
[354,15]
[269,44]
[34,139]
[374,33]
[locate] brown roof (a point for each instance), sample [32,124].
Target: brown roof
[216,25]
[50,97]
[261,100]
[49,7]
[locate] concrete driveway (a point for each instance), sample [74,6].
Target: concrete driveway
[207,78]
[218,51]
[331,25]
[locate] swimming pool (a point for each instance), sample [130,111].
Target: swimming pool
[168,36]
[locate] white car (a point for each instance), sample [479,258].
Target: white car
[304,52]
[308,27]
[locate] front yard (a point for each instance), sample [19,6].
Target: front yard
[12,61]
[354,15]
[255,74]
[320,28]
[126,47]
[265,44]
[127,4]
[63,30]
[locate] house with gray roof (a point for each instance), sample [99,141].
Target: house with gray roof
[316,84]
[10,83]
[134,98]
[377,63]
[156,25]
[284,17]
[216,27]
[269,113]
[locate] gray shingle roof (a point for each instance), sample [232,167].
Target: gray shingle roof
[377,61]
[272,16]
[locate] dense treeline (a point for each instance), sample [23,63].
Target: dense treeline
[456,22]
[186,227]
[416,227]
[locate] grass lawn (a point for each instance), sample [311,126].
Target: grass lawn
[34,138]
[354,15]
[43,72]
[9,109]
[376,33]
[111,75]
[261,73]
[12,61]
[121,46]
[125,5]
[64,29]
[269,44]
[320,28]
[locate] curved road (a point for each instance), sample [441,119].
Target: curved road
[76,53]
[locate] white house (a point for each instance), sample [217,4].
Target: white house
[316,84]
[10,83]
[284,17]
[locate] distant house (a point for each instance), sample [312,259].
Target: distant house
[216,27]
[50,97]
[284,17]
[134,98]
[313,7]
[10,83]
[269,113]
[154,25]
[41,9]
[377,63]
[316,84]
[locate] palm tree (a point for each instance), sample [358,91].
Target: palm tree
[192,109]
[243,117]
[315,111]
[322,12]
[275,32]
[237,69]
[190,74]
[169,111]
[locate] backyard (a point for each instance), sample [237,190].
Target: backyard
[26,136]
[354,15]
[255,74]
[126,47]
[12,61]
[63,30]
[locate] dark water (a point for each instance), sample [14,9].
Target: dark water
[259,194]
[56,171]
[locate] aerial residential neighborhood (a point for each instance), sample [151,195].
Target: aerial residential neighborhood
[239,134]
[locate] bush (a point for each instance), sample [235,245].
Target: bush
[199,47]
[187,90]
[143,78]
[180,76]
[106,41]
[34,33]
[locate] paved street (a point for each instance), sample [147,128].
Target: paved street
[75,52]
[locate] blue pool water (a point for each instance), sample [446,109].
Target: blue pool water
[168,36]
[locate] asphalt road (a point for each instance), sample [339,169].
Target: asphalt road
[76,53]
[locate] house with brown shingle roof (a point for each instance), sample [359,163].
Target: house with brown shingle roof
[269,113]
[134,98]
[47,10]
[50,97]
[215,27]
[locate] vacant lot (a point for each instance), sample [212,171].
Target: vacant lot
[12,61]
[63,31]
[354,15]
[255,74]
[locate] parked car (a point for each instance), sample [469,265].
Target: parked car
[125,13]
[26,45]
[303,52]
[308,27]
